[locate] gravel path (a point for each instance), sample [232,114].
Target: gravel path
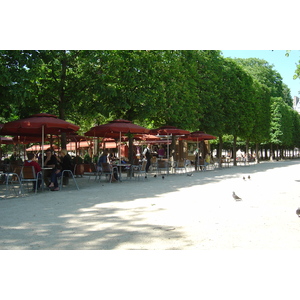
[178,212]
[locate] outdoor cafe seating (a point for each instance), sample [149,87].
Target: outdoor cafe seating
[108,170]
[163,165]
[67,174]
[27,175]
[91,171]
[12,184]
[139,170]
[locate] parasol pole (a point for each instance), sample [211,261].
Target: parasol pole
[198,151]
[120,168]
[43,146]
[168,153]
[120,148]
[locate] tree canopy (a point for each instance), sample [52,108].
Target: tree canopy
[194,90]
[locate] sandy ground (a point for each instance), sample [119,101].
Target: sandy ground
[178,212]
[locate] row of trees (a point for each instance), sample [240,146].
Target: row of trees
[194,90]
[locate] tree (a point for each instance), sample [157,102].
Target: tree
[17,100]
[286,95]
[282,130]
[211,112]
[240,107]
[265,74]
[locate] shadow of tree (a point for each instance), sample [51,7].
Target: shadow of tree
[96,217]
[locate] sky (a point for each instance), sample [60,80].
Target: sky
[285,66]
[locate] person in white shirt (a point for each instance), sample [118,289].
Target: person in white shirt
[147,154]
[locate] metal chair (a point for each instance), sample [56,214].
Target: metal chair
[11,181]
[28,175]
[69,172]
[108,169]
[91,170]
[140,169]
[162,165]
[180,166]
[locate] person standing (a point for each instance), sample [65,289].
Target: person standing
[147,155]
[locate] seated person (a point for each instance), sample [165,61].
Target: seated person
[65,160]
[104,159]
[64,163]
[32,162]
[50,161]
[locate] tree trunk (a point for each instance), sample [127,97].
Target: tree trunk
[220,151]
[130,150]
[257,154]
[234,150]
[173,144]
[271,152]
[62,99]
[247,150]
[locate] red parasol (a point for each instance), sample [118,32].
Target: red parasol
[36,124]
[116,127]
[40,148]
[28,139]
[74,137]
[146,137]
[39,124]
[168,130]
[198,136]
[74,146]
[5,140]
[77,142]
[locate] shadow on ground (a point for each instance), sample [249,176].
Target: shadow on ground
[96,217]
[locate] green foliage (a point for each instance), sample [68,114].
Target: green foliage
[282,123]
[87,159]
[194,90]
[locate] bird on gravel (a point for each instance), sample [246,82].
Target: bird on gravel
[298,212]
[236,197]
[244,178]
[249,177]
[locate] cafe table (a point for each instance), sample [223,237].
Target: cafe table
[44,170]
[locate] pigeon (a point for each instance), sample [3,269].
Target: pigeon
[163,177]
[249,177]
[298,212]
[154,176]
[236,197]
